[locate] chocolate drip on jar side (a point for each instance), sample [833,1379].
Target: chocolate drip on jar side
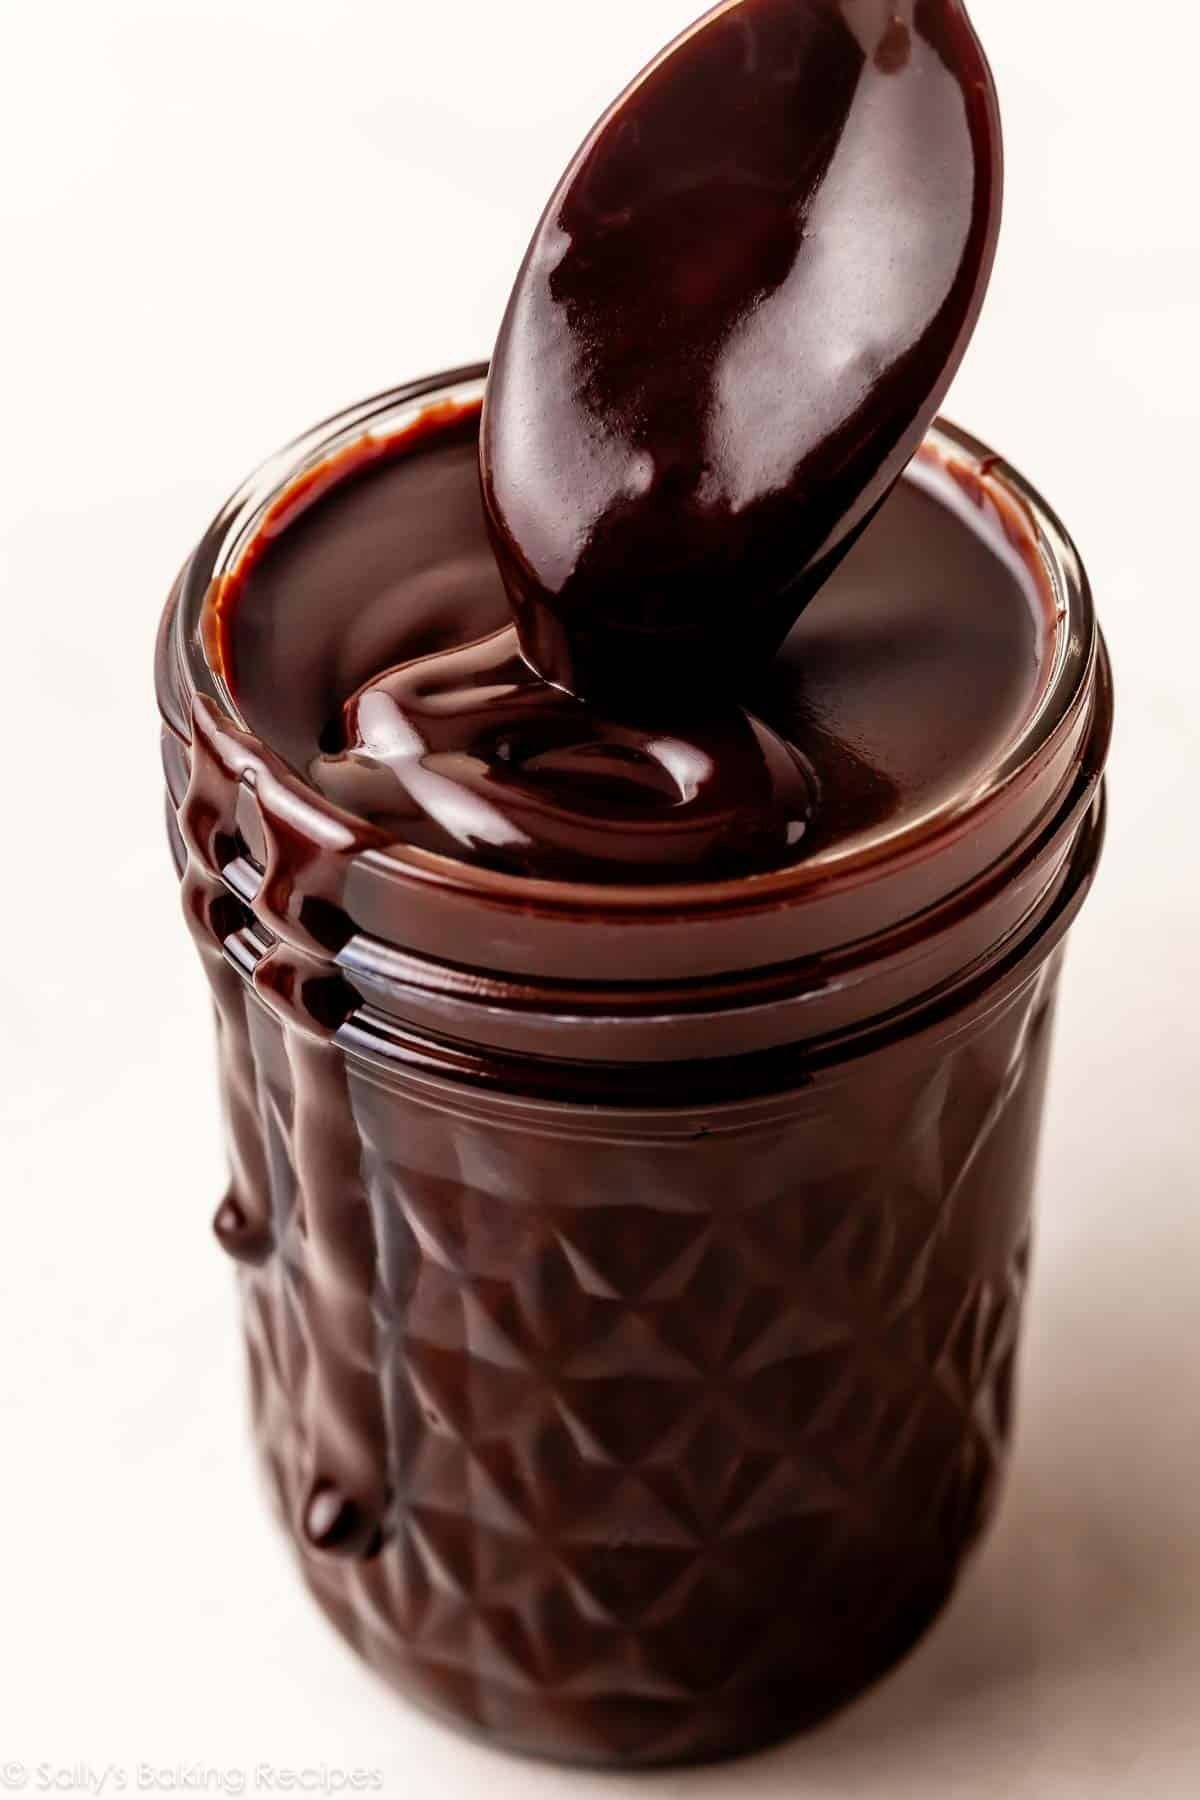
[735,323]
[330,1237]
[242,1222]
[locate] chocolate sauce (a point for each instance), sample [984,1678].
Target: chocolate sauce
[365,640]
[326,1211]
[736,320]
[471,752]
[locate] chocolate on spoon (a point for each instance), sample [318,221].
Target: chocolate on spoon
[736,321]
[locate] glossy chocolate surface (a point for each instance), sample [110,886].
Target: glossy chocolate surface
[736,320]
[366,644]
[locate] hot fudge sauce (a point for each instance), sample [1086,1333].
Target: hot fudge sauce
[634,1013]
[367,643]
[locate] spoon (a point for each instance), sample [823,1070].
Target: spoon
[735,322]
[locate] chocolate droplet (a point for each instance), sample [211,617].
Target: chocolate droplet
[338,1525]
[243,1238]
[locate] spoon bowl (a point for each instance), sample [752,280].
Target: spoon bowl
[736,320]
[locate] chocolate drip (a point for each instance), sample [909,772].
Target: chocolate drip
[287,947]
[241,1237]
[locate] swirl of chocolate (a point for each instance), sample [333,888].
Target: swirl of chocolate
[736,320]
[470,753]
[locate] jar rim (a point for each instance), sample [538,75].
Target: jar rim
[977,469]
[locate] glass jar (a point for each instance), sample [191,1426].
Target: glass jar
[632,1278]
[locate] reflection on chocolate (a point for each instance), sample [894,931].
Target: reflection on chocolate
[736,320]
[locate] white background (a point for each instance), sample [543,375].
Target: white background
[219,221]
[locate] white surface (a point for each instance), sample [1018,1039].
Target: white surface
[219,221]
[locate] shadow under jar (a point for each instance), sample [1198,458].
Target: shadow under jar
[632,1276]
